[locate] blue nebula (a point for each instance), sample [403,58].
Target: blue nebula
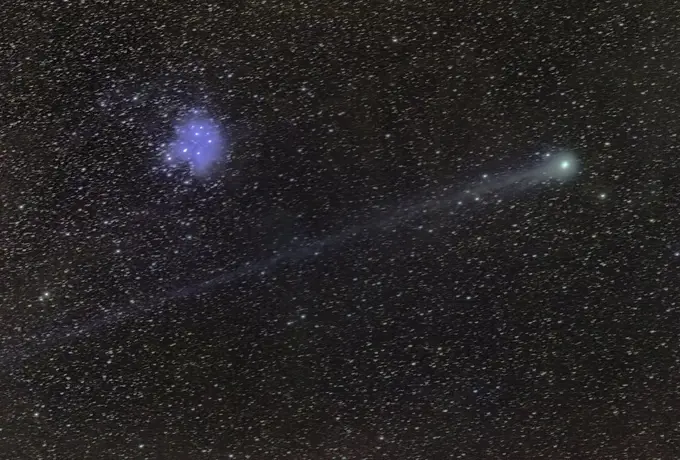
[199,144]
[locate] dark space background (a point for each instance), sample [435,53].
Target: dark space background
[540,324]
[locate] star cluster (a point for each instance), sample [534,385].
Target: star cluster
[198,144]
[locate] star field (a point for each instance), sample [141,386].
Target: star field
[339,231]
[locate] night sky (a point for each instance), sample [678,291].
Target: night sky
[366,263]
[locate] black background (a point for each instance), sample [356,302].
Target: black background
[532,324]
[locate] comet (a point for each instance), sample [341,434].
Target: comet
[557,167]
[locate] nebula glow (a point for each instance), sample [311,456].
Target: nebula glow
[199,144]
